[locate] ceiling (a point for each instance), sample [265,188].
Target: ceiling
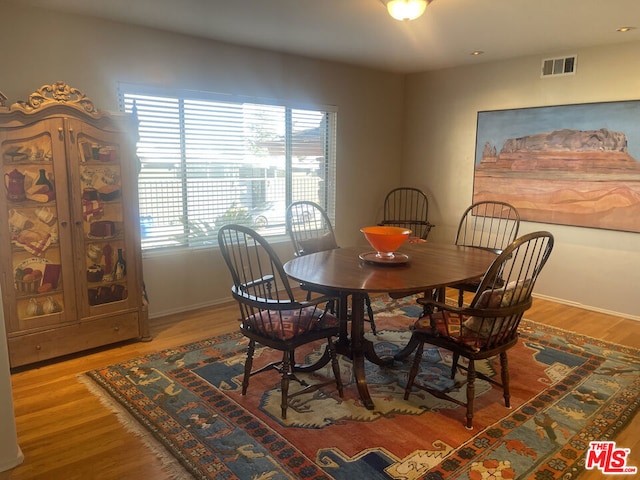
[361,32]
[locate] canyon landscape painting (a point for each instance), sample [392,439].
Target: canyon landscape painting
[571,165]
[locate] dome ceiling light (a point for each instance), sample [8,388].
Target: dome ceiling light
[406,9]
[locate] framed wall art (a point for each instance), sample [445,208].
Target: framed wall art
[569,164]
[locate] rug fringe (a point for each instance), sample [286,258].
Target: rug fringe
[170,464]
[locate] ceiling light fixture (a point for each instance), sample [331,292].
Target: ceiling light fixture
[625,29]
[406,9]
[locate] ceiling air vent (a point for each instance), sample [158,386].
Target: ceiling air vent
[552,67]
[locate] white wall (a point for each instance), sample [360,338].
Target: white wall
[94,55]
[599,269]
[10,453]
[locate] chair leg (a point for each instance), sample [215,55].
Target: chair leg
[471,391]
[343,318]
[248,365]
[454,364]
[367,300]
[284,382]
[335,366]
[504,370]
[440,294]
[331,306]
[460,297]
[414,370]
[437,294]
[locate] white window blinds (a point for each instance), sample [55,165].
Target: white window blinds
[206,161]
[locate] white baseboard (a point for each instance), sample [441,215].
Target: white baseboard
[8,465]
[587,307]
[189,308]
[221,301]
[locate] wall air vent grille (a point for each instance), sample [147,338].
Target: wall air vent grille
[552,67]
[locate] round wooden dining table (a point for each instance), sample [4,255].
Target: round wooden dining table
[427,266]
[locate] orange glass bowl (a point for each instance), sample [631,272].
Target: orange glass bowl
[385,240]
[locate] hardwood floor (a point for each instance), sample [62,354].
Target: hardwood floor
[66,433]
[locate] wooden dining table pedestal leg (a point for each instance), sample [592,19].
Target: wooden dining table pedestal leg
[343,344]
[357,347]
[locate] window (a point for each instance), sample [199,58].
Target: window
[207,160]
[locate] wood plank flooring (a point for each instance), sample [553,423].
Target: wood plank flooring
[65,432]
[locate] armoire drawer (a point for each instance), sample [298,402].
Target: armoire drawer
[43,345]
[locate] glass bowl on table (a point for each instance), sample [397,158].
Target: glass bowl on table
[385,240]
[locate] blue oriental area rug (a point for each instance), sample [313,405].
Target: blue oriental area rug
[567,391]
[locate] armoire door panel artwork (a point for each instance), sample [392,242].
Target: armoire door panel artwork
[69,226]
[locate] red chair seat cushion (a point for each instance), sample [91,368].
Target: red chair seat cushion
[287,324]
[474,332]
[447,324]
